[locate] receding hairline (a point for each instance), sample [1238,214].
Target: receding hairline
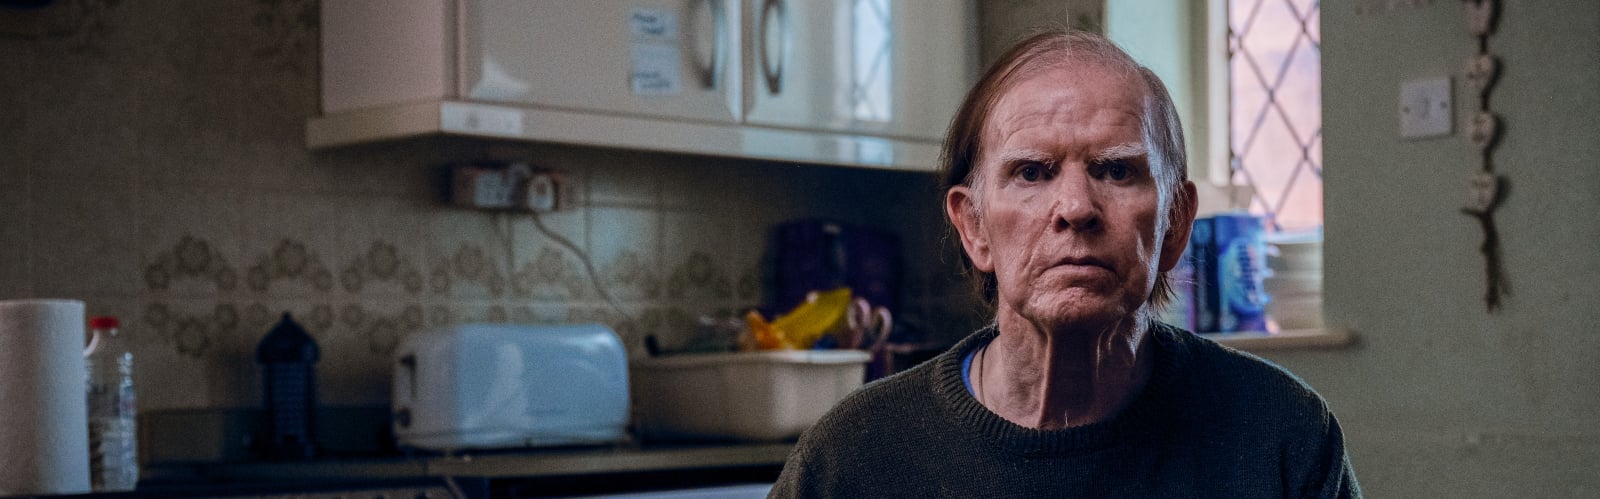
[1052,56]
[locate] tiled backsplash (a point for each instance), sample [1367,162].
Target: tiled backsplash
[152,165]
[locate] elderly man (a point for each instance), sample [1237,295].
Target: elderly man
[1065,183]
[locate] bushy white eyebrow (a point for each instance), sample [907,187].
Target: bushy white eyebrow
[1128,150]
[1025,155]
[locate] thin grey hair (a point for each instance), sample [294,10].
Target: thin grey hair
[1163,132]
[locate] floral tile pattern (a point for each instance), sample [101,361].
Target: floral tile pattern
[201,214]
[290,28]
[190,258]
[381,264]
[700,276]
[192,335]
[382,332]
[289,261]
[631,276]
[551,275]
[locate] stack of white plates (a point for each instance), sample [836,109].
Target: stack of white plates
[1295,284]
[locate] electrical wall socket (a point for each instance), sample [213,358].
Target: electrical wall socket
[509,187]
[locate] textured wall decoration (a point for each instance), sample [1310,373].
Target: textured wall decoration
[291,28]
[467,265]
[190,258]
[631,277]
[699,275]
[289,261]
[381,263]
[192,335]
[551,275]
[750,284]
[382,333]
[197,175]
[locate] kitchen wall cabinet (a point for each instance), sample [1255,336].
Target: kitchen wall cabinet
[883,67]
[842,82]
[661,58]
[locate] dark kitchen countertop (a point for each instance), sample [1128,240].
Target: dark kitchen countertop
[555,471]
[530,463]
[206,453]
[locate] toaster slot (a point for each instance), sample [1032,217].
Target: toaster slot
[408,368]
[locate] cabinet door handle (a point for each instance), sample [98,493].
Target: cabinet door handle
[773,71]
[719,42]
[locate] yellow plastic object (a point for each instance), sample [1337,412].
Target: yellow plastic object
[808,322]
[766,337]
[822,313]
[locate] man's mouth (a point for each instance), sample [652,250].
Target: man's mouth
[1082,261]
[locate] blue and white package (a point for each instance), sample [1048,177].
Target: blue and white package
[1203,261]
[1241,264]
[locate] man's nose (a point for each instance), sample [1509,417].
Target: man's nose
[1077,205]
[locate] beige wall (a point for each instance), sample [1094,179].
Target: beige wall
[1442,399]
[152,164]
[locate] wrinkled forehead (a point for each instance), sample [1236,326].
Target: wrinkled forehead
[1059,90]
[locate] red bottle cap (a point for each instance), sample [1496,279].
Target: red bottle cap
[103,322]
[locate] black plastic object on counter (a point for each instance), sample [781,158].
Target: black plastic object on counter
[288,360]
[817,255]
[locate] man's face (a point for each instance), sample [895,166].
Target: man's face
[1067,217]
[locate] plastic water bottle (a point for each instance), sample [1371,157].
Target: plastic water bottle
[113,426]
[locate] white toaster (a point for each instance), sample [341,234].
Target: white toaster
[489,386]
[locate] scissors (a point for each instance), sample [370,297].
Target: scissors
[869,326]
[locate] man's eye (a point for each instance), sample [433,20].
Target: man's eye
[1118,171]
[1030,172]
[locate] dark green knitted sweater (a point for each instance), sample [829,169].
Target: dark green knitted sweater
[1211,422]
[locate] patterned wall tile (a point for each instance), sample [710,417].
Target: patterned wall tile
[287,32]
[381,325]
[624,246]
[700,184]
[188,129]
[631,178]
[547,268]
[631,324]
[190,241]
[215,339]
[467,255]
[696,250]
[749,256]
[84,95]
[16,238]
[88,231]
[358,350]
[553,274]
[289,268]
[200,206]
[346,375]
[166,379]
[382,252]
[190,266]
[290,242]
[381,269]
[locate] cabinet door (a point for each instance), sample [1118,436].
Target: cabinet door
[895,68]
[662,58]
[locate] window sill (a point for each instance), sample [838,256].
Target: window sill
[1293,339]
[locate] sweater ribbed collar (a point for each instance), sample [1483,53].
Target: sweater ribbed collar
[1148,413]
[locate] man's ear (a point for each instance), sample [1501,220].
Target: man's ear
[1178,226]
[963,214]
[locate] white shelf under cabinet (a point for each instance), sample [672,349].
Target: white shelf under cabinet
[1285,340]
[522,123]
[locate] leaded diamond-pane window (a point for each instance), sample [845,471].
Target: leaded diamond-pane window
[1275,121]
